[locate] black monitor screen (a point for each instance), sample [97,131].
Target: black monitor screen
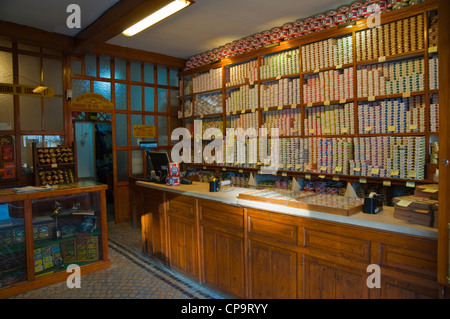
[160,161]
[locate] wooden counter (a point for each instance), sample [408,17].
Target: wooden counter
[257,250]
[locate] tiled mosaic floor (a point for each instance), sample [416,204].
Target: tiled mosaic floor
[132,275]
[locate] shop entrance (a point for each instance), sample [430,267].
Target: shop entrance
[93,136]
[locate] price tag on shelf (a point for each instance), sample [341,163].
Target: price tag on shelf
[336,178]
[375,171]
[278,77]
[338,169]
[309,105]
[323,169]
[322,176]
[339,66]
[395,172]
[368,129]
[343,101]
[363,181]
[391,128]
[280,165]
[413,127]
[311,131]
[228,113]
[241,171]
[412,174]
[243,112]
[201,116]
[308,176]
[327,103]
[316,70]
[294,130]
[224,169]
[371,99]
[281,132]
[410,184]
[293,106]
[280,107]
[432,49]
[298,166]
[386,183]
[382,59]
[251,83]
[234,112]
[253,110]
[266,109]
[284,174]
[357,169]
[406,94]
[327,131]
[289,166]
[54,165]
[204,167]
[344,130]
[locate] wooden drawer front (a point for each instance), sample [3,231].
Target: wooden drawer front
[336,244]
[273,231]
[222,216]
[418,261]
[183,205]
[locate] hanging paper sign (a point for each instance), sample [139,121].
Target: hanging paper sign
[27,90]
[92,101]
[144,131]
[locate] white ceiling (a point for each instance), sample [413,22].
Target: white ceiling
[205,25]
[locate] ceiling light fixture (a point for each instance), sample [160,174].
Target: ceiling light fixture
[157,16]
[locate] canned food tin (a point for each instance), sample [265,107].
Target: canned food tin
[299,23]
[343,9]
[309,20]
[172,181]
[356,5]
[340,18]
[319,16]
[332,13]
[353,15]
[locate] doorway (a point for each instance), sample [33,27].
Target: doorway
[93,137]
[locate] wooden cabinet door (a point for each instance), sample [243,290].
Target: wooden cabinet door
[326,280]
[272,271]
[153,225]
[223,261]
[182,236]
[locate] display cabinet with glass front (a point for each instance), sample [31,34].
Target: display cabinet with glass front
[42,232]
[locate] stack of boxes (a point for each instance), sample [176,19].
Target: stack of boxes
[433,69]
[434,113]
[418,209]
[433,29]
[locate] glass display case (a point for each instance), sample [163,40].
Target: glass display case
[43,231]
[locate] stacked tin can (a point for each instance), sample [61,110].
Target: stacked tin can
[210,103]
[208,81]
[282,92]
[242,73]
[243,121]
[327,53]
[288,121]
[242,98]
[434,113]
[433,68]
[280,64]
[333,119]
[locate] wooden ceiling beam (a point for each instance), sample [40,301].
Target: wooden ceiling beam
[30,35]
[119,17]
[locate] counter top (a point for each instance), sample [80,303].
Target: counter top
[382,221]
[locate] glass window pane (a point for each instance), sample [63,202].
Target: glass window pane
[136,97]
[30,113]
[162,100]
[53,114]
[6,112]
[135,71]
[149,120]
[149,75]
[121,130]
[27,47]
[120,69]
[149,98]
[53,74]
[6,67]
[122,166]
[105,67]
[121,96]
[174,102]
[90,65]
[75,66]
[29,70]
[136,119]
[53,140]
[26,148]
[162,75]
[79,87]
[5,43]
[163,139]
[173,77]
[137,162]
[103,88]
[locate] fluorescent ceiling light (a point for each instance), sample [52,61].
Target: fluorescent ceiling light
[39,89]
[157,16]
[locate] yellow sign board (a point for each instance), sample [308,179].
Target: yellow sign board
[144,131]
[92,101]
[27,90]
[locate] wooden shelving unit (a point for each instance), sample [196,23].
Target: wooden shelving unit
[421,10]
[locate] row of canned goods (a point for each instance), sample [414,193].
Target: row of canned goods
[302,27]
